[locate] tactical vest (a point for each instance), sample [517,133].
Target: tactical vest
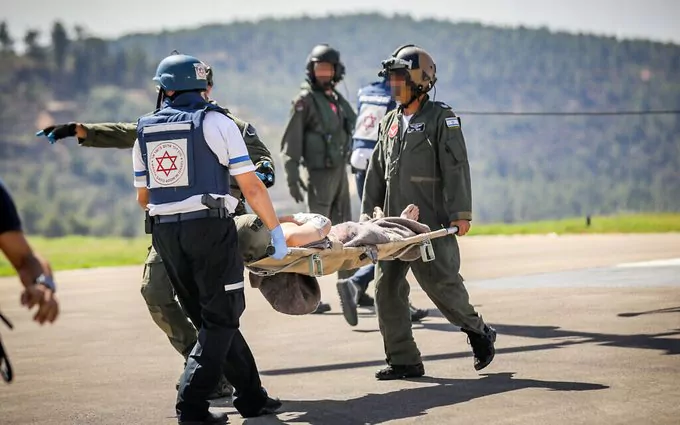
[330,147]
[179,161]
[374,103]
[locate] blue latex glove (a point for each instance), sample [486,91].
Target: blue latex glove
[279,243]
[50,136]
[267,179]
[265,171]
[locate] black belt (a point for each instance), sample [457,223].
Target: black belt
[193,215]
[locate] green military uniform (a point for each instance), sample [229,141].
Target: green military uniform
[424,163]
[156,287]
[318,136]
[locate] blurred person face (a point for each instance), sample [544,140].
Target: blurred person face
[324,73]
[400,91]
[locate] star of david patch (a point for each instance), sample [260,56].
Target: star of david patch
[167,163]
[201,71]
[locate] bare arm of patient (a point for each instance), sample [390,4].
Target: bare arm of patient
[300,233]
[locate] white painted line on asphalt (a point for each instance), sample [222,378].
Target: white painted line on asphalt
[668,262]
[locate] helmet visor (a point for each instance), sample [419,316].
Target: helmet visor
[393,65]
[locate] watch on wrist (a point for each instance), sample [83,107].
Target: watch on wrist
[46,281]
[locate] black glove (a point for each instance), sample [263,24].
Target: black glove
[296,192]
[265,171]
[58,132]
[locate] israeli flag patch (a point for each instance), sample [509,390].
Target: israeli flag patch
[452,122]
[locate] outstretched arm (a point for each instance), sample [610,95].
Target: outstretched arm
[100,135]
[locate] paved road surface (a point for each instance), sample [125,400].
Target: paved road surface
[584,338]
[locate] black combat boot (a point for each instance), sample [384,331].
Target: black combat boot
[392,372]
[417,314]
[271,406]
[321,308]
[482,346]
[223,389]
[365,300]
[348,294]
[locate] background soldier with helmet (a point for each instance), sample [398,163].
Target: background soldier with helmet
[318,137]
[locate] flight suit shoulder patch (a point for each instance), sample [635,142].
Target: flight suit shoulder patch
[452,122]
[250,131]
[303,95]
[394,129]
[442,105]
[300,102]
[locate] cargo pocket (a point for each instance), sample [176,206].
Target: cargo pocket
[152,258]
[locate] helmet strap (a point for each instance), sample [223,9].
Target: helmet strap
[416,91]
[160,98]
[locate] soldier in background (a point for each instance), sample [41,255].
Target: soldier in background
[318,137]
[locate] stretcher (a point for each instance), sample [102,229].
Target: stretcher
[320,262]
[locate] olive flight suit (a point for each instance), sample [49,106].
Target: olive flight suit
[423,163]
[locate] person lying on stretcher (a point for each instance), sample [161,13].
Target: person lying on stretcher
[297,293]
[302,229]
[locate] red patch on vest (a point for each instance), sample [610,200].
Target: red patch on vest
[393,130]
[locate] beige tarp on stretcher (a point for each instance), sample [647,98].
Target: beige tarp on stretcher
[321,262]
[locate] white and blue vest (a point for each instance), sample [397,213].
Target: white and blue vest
[179,162]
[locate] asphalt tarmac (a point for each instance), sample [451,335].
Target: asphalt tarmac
[588,333]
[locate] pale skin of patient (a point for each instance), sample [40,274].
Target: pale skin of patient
[300,234]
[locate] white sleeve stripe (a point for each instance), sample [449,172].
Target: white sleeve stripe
[167,127]
[238,165]
[234,286]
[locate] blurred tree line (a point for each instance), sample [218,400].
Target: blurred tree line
[524,167]
[64,189]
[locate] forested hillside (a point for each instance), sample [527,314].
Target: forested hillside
[524,167]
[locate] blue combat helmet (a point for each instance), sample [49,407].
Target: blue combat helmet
[182,73]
